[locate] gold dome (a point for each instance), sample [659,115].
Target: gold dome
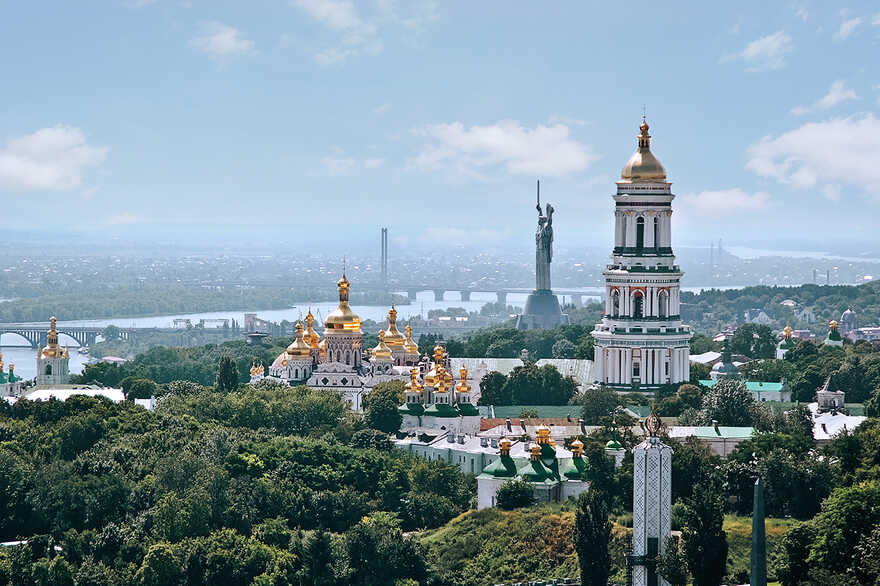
[787,332]
[833,324]
[431,375]
[343,318]
[414,386]
[381,351]
[535,451]
[311,335]
[504,446]
[322,348]
[463,386]
[52,350]
[542,434]
[577,448]
[393,337]
[299,348]
[409,346]
[643,166]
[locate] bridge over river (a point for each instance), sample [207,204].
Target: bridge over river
[35,333]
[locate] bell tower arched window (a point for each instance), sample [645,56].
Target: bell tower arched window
[615,303]
[640,233]
[656,233]
[638,305]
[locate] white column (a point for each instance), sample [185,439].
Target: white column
[667,233]
[648,366]
[673,366]
[630,230]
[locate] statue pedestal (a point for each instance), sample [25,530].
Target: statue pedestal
[541,312]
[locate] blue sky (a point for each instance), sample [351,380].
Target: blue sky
[435,118]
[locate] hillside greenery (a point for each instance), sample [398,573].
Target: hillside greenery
[250,487]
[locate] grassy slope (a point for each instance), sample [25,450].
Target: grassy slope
[493,546]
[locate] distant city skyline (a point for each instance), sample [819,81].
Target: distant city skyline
[135,117]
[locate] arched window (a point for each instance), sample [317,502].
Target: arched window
[48,369]
[296,374]
[347,357]
[615,303]
[656,232]
[638,304]
[640,233]
[663,304]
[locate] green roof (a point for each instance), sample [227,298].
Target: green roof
[535,471]
[751,385]
[411,409]
[503,467]
[467,409]
[442,410]
[573,468]
[640,411]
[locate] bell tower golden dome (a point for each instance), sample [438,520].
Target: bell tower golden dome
[393,337]
[643,166]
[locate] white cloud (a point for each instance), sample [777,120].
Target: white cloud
[837,93]
[51,159]
[543,150]
[766,53]
[848,27]
[823,154]
[338,165]
[374,163]
[222,40]
[722,203]
[875,20]
[382,108]
[358,36]
[800,10]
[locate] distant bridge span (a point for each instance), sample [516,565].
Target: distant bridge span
[35,334]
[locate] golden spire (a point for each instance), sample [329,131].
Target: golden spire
[786,333]
[577,448]
[343,318]
[299,348]
[409,346]
[414,386]
[311,336]
[542,435]
[643,166]
[535,451]
[381,351]
[441,383]
[51,350]
[463,386]
[833,324]
[393,337]
[432,376]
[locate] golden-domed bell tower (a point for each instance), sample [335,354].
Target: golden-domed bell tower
[410,348]
[641,342]
[312,337]
[343,338]
[53,361]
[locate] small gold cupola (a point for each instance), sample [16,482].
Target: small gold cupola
[311,335]
[409,346]
[52,350]
[504,446]
[643,166]
[381,351]
[463,386]
[299,348]
[393,337]
[414,386]
[432,375]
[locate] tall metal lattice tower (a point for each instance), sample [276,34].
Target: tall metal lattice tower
[384,258]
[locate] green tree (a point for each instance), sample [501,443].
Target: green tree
[227,376]
[318,560]
[672,563]
[598,404]
[690,396]
[380,407]
[792,568]
[160,567]
[730,403]
[754,341]
[493,390]
[564,349]
[592,535]
[704,539]
[514,494]
[110,333]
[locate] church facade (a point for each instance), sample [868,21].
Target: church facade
[640,342]
[53,361]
